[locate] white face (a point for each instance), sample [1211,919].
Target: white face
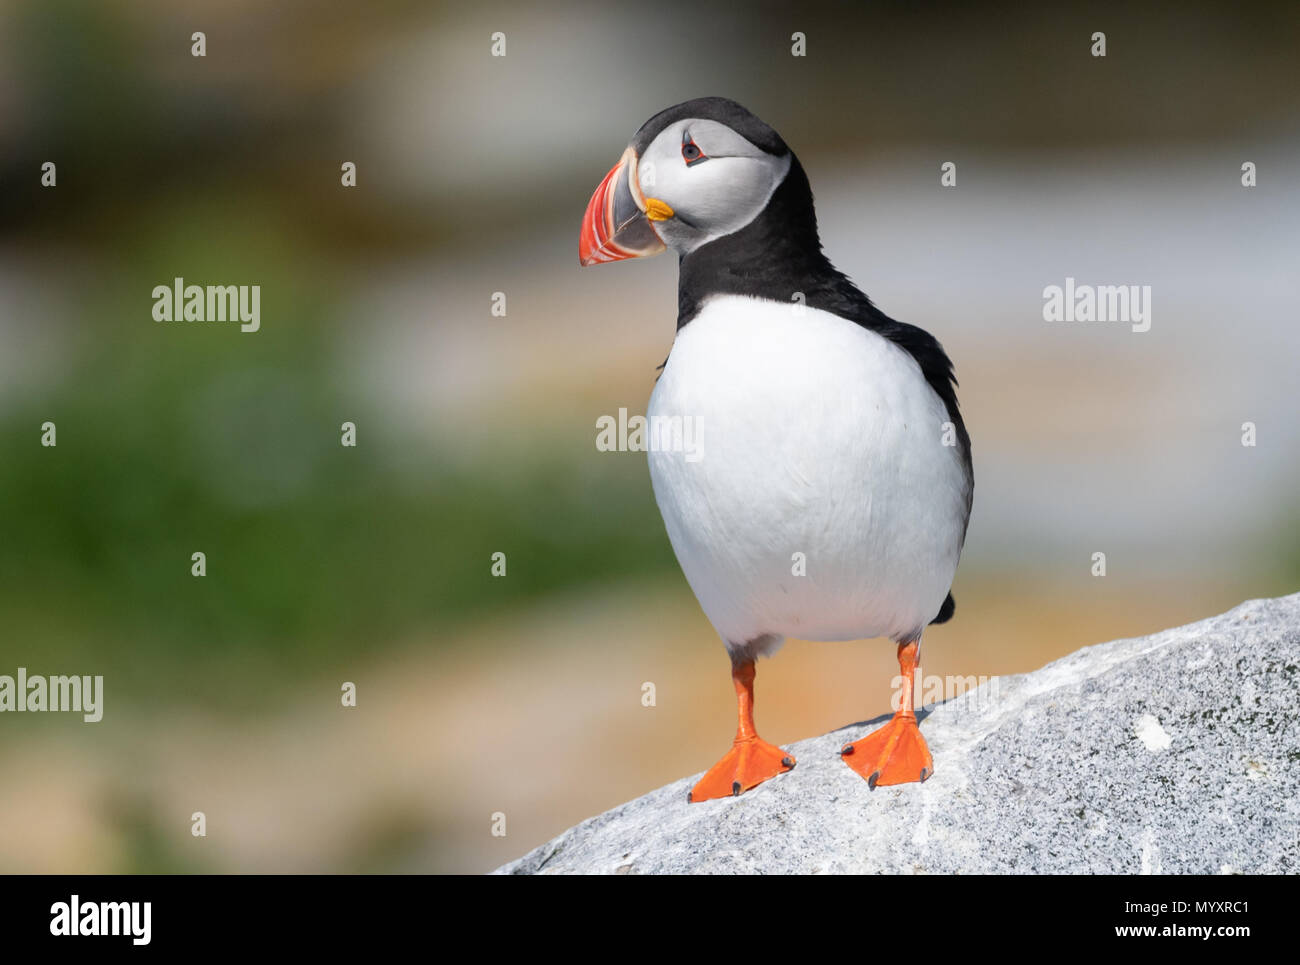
[714,188]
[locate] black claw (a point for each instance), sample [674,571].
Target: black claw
[846,750]
[735,789]
[690,797]
[871,781]
[925,774]
[787,762]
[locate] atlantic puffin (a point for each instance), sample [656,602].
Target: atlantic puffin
[832,486]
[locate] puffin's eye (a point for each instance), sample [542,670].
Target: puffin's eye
[691,152]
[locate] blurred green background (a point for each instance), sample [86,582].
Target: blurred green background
[521,694]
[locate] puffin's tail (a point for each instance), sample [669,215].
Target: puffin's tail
[946,611]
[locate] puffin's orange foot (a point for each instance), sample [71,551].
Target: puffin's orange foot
[894,754]
[748,764]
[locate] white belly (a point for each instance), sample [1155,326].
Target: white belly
[815,436]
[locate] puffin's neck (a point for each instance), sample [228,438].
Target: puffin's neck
[773,257]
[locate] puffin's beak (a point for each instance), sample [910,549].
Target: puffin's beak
[615,225]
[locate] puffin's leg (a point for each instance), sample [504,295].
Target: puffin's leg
[896,753]
[751,760]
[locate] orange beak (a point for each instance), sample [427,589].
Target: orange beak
[615,226]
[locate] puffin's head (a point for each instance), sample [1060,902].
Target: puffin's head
[692,174]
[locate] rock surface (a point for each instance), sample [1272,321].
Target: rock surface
[1173,753]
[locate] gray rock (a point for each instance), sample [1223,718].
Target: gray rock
[1174,753]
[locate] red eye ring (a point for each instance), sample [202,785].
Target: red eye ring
[691,152]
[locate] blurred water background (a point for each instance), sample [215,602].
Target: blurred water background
[522,695]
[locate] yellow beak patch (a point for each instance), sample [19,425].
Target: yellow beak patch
[657,210]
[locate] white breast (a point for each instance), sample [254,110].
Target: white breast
[815,436]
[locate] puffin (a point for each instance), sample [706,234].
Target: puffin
[830,486]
